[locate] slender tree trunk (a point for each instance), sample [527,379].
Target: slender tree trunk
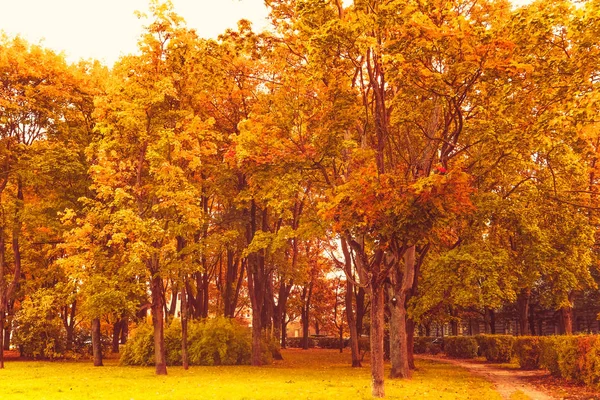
[354,349]
[492,315]
[116,335]
[284,323]
[96,342]
[361,310]
[341,331]
[566,314]
[158,321]
[254,287]
[350,316]
[376,339]
[1,336]
[184,329]
[523,310]
[125,330]
[532,321]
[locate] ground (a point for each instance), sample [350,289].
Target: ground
[513,383]
[312,374]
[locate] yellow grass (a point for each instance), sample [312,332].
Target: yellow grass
[313,374]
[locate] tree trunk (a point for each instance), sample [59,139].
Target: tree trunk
[532,329]
[7,335]
[284,323]
[523,310]
[116,335]
[341,331]
[184,329]
[256,301]
[566,314]
[361,310]
[402,282]
[124,330]
[492,320]
[96,342]
[410,342]
[354,349]
[1,336]
[158,321]
[376,339]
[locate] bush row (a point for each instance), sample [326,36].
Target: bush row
[216,341]
[575,358]
[460,346]
[325,343]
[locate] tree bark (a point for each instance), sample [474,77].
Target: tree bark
[125,330]
[117,326]
[566,314]
[184,329]
[523,310]
[158,320]
[376,339]
[1,338]
[96,342]
[410,341]
[354,349]
[402,282]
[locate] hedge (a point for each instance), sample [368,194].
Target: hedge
[427,344]
[460,346]
[296,342]
[576,358]
[495,348]
[527,351]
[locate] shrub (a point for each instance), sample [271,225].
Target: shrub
[216,341]
[527,351]
[549,354]
[38,329]
[495,348]
[435,349]
[422,344]
[219,341]
[139,349]
[296,342]
[460,346]
[330,342]
[427,344]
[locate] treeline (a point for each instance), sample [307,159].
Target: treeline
[442,155]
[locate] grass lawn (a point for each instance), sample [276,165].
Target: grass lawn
[312,374]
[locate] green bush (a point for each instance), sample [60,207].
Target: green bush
[139,349]
[38,330]
[460,346]
[216,341]
[495,348]
[527,350]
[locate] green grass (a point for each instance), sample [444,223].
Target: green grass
[313,374]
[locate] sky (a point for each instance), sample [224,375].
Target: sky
[107,29]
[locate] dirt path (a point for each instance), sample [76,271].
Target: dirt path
[508,382]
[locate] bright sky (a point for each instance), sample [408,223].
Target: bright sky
[107,29]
